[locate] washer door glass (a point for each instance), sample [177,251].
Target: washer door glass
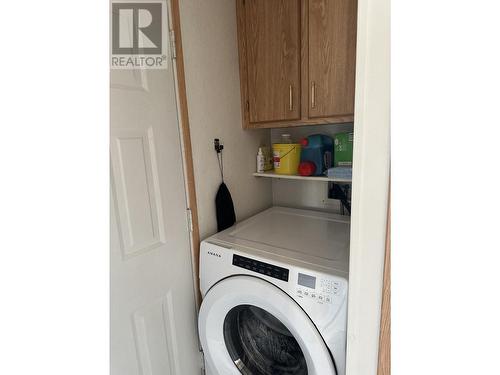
[259,344]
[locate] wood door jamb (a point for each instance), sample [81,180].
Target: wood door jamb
[187,149]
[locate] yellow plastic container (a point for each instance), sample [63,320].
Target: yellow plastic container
[286,158]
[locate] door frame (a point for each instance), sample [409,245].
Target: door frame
[384,352]
[370,186]
[187,153]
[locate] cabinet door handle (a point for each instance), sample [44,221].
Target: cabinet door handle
[313,95]
[290,98]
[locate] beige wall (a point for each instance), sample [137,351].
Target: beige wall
[212,80]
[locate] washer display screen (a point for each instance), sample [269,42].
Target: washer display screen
[307,281]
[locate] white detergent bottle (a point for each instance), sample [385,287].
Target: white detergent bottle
[260,161]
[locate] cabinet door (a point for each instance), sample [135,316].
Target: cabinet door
[332,57]
[272,38]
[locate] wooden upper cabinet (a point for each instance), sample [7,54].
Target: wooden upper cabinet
[273,59]
[297,61]
[332,57]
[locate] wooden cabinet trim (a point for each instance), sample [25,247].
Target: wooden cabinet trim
[302,122]
[242,56]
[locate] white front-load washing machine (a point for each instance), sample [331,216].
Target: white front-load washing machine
[275,295]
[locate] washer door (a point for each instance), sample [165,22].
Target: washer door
[249,326]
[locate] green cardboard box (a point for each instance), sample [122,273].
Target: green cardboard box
[342,149]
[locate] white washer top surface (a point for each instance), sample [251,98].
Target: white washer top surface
[314,237]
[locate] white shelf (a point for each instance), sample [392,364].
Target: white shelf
[297,177]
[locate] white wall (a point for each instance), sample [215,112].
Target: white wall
[212,81]
[306,194]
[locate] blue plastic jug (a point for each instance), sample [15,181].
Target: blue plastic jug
[318,148]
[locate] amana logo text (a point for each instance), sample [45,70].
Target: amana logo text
[214,254]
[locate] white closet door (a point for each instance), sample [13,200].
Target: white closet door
[153,314]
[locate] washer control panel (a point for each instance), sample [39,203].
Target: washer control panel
[330,286]
[321,290]
[263,268]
